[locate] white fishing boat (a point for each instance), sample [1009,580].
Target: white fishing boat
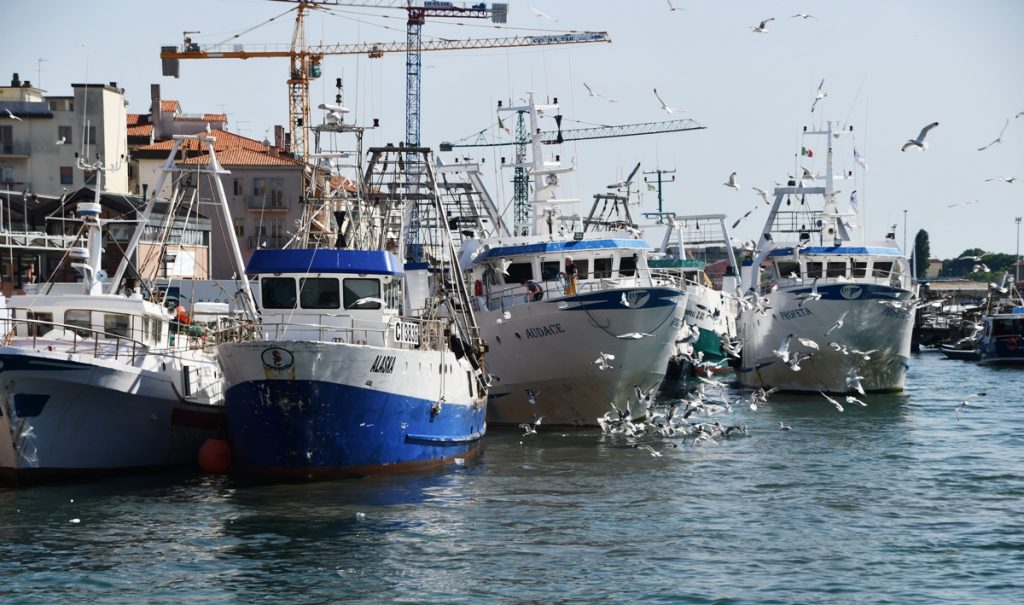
[97,382]
[823,311]
[573,318]
[366,365]
[708,340]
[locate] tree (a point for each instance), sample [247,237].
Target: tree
[922,253]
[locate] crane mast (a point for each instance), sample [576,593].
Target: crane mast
[304,61]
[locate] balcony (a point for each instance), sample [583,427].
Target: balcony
[273,201]
[15,149]
[266,241]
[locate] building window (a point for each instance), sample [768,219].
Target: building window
[239,227]
[66,176]
[90,138]
[6,139]
[237,187]
[277,193]
[64,134]
[90,177]
[259,187]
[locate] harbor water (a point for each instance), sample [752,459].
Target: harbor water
[912,499]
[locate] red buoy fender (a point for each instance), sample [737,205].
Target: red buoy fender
[1011,344]
[215,456]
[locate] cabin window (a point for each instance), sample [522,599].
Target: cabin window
[882,269]
[116,324]
[277,292]
[602,268]
[80,319]
[582,268]
[860,268]
[518,273]
[627,266]
[813,270]
[788,269]
[550,270]
[319,293]
[1004,327]
[44,325]
[836,269]
[393,295]
[359,292]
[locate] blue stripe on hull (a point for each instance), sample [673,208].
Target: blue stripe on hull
[300,428]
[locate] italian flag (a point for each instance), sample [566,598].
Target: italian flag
[807,151]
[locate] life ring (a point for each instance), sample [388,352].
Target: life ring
[1011,344]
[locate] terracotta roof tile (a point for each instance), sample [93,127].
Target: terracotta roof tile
[134,119]
[244,157]
[223,140]
[140,130]
[169,106]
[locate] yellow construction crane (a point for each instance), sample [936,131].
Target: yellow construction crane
[305,60]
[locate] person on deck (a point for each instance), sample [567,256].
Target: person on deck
[571,275]
[533,291]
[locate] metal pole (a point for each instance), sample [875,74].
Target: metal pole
[904,231]
[1016,219]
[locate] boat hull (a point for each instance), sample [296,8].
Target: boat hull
[340,410]
[879,330]
[551,348]
[77,416]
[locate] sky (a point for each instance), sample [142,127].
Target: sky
[889,68]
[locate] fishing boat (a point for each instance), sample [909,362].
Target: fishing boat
[1001,340]
[574,319]
[367,364]
[822,311]
[708,339]
[98,382]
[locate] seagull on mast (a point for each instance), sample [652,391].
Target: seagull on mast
[919,142]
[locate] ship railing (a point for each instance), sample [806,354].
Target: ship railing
[74,339]
[515,295]
[402,333]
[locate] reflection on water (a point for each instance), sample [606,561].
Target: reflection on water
[900,501]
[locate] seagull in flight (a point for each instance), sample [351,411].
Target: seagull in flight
[821,94]
[732,182]
[740,219]
[1003,179]
[673,7]
[803,16]
[762,28]
[839,406]
[531,396]
[999,139]
[623,300]
[838,324]
[664,106]
[919,142]
[591,93]
[62,140]
[784,427]
[763,194]
[12,116]
[543,14]
[602,361]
